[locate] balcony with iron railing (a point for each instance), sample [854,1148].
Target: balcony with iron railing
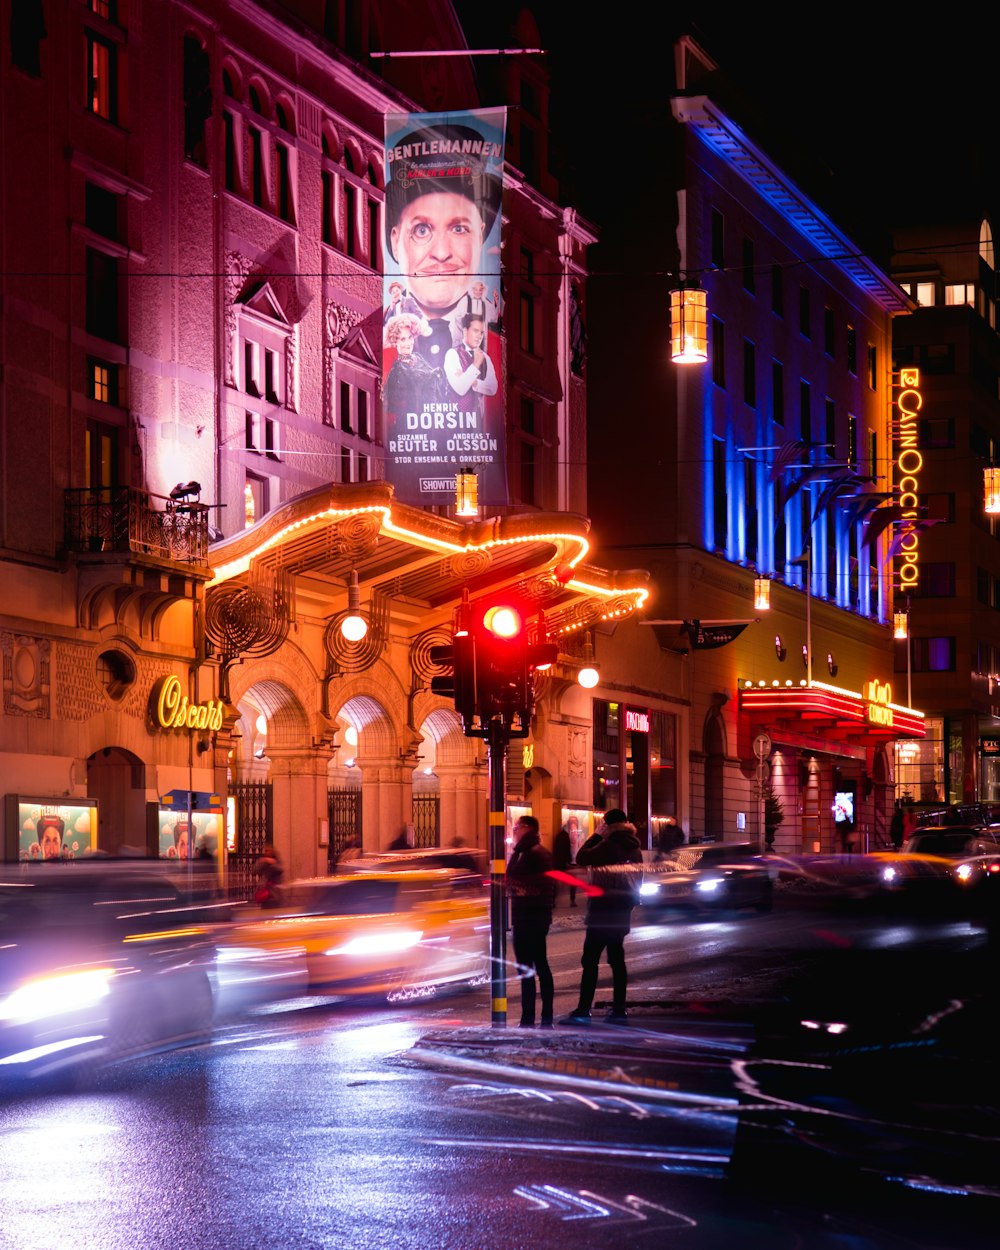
[127,521]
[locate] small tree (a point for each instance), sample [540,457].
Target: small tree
[774,814]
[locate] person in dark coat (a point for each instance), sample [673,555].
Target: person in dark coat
[532,894]
[614,856]
[564,851]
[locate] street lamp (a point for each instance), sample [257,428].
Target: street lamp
[588,676]
[354,626]
[762,593]
[688,325]
[991,482]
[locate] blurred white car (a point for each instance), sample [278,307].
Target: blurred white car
[99,960]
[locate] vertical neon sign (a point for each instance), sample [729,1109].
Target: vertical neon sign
[909,463]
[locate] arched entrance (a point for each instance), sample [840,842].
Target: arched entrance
[117,779]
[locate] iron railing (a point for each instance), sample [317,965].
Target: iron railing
[129,520]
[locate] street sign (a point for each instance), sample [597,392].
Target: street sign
[762,746]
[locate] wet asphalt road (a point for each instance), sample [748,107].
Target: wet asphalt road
[418,1125]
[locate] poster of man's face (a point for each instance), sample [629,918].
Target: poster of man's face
[441,393]
[56,831]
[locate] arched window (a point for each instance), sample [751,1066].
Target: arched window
[986,243]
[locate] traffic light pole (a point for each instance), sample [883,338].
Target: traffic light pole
[497,745]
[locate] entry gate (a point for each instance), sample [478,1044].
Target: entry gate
[427,820]
[344,811]
[254,827]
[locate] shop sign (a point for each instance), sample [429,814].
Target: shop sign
[989,746]
[172,709]
[528,756]
[636,721]
[879,697]
[909,463]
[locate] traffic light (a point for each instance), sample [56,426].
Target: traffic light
[460,683]
[503,684]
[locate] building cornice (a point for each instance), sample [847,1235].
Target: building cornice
[732,145]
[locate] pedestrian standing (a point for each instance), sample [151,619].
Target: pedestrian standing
[532,894]
[615,858]
[564,850]
[269,872]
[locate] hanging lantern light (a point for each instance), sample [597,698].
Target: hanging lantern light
[466,493]
[354,626]
[761,593]
[900,624]
[588,676]
[688,325]
[992,485]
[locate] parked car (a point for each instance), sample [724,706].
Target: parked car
[390,934]
[711,876]
[99,960]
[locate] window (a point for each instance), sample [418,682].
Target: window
[873,453]
[252,443]
[255,166]
[872,367]
[102,381]
[102,83]
[197,100]
[283,184]
[345,465]
[941,506]
[804,316]
[805,412]
[364,468]
[777,290]
[718,352]
[939,359]
[364,430]
[778,392]
[852,350]
[350,219]
[720,526]
[749,261]
[749,373]
[100,459]
[328,223]
[937,580]
[960,293]
[271,377]
[750,508]
[255,502]
[830,422]
[230,140]
[937,432]
[852,441]
[345,407]
[925,294]
[272,447]
[528,450]
[251,368]
[527,299]
[101,211]
[718,239]
[829,331]
[27,30]
[102,295]
[932,655]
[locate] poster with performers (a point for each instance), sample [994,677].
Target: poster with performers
[442,394]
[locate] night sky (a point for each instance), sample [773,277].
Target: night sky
[891,118]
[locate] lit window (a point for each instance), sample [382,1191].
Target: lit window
[100,382]
[100,77]
[925,294]
[960,293]
[249,506]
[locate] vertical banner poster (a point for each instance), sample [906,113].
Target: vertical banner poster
[442,397]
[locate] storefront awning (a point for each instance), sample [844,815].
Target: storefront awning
[420,563]
[866,717]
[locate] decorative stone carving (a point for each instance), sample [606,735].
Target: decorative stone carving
[576,750]
[26,675]
[78,695]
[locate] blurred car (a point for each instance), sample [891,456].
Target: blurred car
[713,876]
[372,932]
[99,960]
[460,859]
[952,842]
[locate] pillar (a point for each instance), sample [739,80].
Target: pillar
[299,804]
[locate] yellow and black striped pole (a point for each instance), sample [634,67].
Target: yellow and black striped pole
[497,743]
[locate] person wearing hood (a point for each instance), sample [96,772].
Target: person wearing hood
[612,854]
[532,894]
